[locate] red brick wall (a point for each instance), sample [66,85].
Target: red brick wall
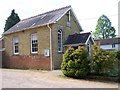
[27,62]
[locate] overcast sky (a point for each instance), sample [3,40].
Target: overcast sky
[87,11]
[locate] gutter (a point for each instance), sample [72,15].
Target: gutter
[74,44]
[24,29]
[50,47]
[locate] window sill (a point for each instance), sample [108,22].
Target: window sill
[60,52]
[68,24]
[35,53]
[16,54]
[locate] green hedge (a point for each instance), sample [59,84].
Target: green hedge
[102,62]
[118,55]
[75,63]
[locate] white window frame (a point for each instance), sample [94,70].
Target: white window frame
[33,38]
[60,33]
[15,40]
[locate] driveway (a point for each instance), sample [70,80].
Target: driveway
[14,78]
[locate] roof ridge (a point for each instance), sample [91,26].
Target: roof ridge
[84,32]
[81,33]
[48,12]
[108,39]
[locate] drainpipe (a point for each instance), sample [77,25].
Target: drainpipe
[50,46]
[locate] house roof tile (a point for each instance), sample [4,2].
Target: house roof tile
[39,20]
[77,38]
[110,41]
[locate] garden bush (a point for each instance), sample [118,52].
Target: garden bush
[118,55]
[104,62]
[75,63]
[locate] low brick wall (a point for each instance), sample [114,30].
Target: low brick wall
[27,62]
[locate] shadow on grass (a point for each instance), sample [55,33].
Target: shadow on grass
[102,79]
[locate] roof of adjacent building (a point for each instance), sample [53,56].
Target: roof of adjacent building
[109,41]
[39,20]
[77,38]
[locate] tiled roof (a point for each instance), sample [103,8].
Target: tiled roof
[110,41]
[39,20]
[77,38]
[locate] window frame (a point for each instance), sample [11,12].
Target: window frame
[113,45]
[60,33]
[15,41]
[31,42]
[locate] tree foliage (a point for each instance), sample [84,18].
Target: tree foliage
[104,29]
[11,20]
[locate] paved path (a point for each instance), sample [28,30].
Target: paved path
[13,78]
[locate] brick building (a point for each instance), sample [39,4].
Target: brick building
[37,42]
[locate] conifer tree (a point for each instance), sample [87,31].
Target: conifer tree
[11,20]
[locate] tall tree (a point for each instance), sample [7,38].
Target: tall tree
[104,29]
[112,30]
[11,20]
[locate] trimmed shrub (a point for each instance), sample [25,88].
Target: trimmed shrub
[75,63]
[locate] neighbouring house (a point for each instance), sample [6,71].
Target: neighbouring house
[37,42]
[83,39]
[109,44]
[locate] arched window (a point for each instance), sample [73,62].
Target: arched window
[59,40]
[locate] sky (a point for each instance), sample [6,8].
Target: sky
[86,11]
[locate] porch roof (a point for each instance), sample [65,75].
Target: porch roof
[77,39]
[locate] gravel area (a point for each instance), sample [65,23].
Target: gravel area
[14,78]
